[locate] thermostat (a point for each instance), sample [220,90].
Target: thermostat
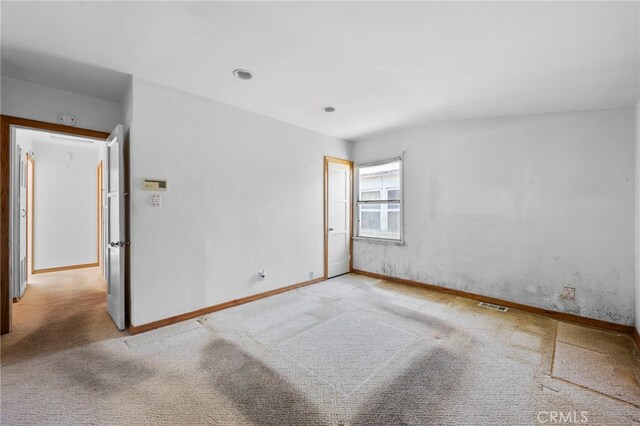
[154,184]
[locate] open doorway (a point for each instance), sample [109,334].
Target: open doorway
[60,222]
[59,203]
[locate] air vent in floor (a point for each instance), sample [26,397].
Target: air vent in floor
[494,307]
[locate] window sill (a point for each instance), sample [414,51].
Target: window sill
[380,241]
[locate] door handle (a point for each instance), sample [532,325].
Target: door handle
[330,229]
[24,213]
[119,243]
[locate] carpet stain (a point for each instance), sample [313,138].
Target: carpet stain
[416,396]
[102,372]
[59,311]
[47,336]
[416,316]
[258,391]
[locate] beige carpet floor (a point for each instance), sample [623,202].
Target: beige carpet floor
[352,351]
[58,311]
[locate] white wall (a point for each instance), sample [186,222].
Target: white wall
[37,102]
[65,205]
[127,106]
[245,193]
[517,208]
[637,233]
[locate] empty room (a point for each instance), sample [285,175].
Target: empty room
[320,213]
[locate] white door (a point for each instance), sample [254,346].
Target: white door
[338,218]
[116,243]
[30,199]
[22,200]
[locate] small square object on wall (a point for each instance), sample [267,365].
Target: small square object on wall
[149,184]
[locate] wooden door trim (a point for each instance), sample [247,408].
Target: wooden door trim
[328,160]
[99,177]
[6,122]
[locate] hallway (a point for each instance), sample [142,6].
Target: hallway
[59,310]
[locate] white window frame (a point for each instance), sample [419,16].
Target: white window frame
[357,203]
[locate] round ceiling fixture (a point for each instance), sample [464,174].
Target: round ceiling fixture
[66,119]
[329,109]
[242,74]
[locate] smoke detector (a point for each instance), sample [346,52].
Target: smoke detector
[66,119]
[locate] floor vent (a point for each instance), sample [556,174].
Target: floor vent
[494,307]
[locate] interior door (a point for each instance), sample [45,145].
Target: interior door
[338,217]
[22,202]
[30,206]
[116,244]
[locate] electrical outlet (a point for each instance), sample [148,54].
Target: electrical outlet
[568,293]
[156,200]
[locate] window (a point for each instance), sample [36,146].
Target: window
[379,201]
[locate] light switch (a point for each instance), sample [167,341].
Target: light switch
[156,200]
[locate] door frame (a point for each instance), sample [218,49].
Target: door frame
[30,206]
[328,160]
[6,122]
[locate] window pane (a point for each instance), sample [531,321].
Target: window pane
[370,195]
[393,221]
[381,182]
[370,220]
[377,221]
